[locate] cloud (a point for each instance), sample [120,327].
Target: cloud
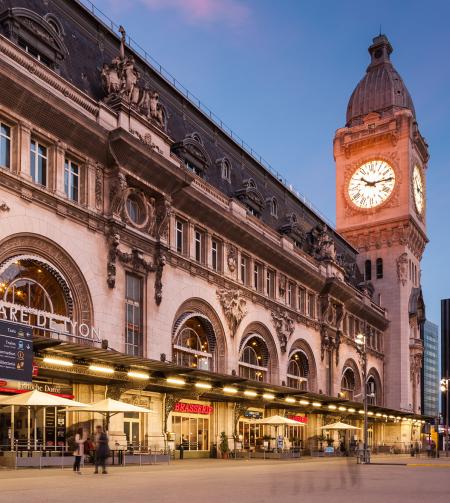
[230,12]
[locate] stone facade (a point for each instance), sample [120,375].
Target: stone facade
[238,256]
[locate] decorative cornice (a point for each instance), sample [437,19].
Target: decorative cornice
[42,72]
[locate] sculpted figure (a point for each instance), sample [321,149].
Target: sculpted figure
[118,187]
[129,78]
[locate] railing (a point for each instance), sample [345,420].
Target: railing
[171,80]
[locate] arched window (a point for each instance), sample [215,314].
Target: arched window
[379,268]
[371,390]
[298,371]
[274,207]
[348,384]
[32,282]
[226,170]
[368,270]
[254,359]
[194,343]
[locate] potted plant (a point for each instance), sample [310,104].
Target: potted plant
[224,449]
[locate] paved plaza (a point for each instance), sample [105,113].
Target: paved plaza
[254,481]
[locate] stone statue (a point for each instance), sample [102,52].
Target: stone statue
[129,78]
[325,248]
[156,110]
[234,307]
[402,268]
[116,194]
[151,206]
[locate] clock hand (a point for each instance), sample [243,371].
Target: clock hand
[370,184]
[384,180]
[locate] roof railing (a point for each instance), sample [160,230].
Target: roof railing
[169,78]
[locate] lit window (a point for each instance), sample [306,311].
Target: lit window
[133,315]
[192,347]
[38,163]
[254,360]
[348,384]
[298,371]
[5,145]
[71,180]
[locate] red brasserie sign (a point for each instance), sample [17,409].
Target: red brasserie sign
[299,419]
[193,408]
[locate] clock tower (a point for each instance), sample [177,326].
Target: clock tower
[381,162]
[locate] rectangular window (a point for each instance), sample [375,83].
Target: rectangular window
[270,283]
[179,236]
[38,163]
[302,300]
[215,255]
[256,276]
[133,315]
[311,305]
[71,180]
[5,145]
[199,239]
[291,295]
[244,269]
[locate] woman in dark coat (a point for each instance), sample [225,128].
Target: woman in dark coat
[101,449]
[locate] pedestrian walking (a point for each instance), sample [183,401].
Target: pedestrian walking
[79,450]
[101,449]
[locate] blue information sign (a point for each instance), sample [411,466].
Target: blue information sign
[16,351]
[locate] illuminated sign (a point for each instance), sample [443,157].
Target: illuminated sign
[16,351]
[193,408]
[52,323]
[299,419]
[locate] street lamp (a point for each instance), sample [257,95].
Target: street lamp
[361,347]
[445,385]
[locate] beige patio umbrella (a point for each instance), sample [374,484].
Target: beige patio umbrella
[339,426]
[278,421]
[34,400]
[109,407]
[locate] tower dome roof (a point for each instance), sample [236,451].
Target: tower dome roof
[382,89]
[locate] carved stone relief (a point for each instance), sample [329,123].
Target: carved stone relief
[122,81]
[234,307]
[284,327]
[323,246]
[4,207]
[98,187]
[402,268]
[231,257]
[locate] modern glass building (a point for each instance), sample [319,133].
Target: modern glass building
[431,369]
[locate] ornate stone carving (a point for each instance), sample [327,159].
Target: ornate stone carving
[251,196]
[4,207]
[163,211]
[121,81]
[146,139]
[117,195]
[234,307]
[402,268]
[348,265]
[160,263]
[323,246]
[98,187]
[231,257]
[292,228]
[135,259]
[415,365]
[284,327]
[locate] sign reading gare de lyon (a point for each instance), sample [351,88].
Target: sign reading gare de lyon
[49,322]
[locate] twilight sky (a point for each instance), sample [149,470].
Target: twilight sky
[280,73]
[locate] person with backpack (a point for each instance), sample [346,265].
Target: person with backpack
[78,452]
[101,449]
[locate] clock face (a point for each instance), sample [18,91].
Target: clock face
[418,189]
[371,184]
